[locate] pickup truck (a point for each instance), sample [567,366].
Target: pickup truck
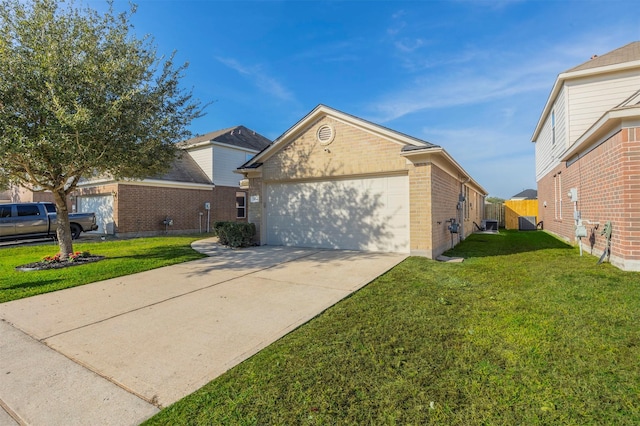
[38,220]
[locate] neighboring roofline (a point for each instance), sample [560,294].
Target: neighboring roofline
[214,142]
[317,113]
[207,137]
[610,123]
[149,182]
[572,75]
[438,150]
[218,136]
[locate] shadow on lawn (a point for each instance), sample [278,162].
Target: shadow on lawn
[31,284]
[505,243]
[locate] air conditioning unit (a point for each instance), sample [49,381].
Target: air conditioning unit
[490,225]
[527,223]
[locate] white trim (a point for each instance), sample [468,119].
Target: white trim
[608,125]
[433,155]
[148,182]
[244,195]
[226,145]
[214,142]
[563,77]
[320,112]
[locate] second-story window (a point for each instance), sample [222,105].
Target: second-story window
[553,127]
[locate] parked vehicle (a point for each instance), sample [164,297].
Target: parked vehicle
[38,220]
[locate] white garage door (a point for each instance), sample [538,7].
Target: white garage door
[358,214]
[102,206]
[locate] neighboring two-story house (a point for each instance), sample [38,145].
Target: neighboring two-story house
[199,188]
[588,156]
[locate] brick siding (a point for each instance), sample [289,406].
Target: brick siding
[357,153]
[608,182]
[141,209]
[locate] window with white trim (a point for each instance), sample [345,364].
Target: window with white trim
[557,196]
[241,205]
[553,127]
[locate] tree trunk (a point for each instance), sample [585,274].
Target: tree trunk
[63,230]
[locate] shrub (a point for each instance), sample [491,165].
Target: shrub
[235,234]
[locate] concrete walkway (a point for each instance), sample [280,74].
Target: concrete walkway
[115,351]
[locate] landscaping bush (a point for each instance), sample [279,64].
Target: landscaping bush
[235,234]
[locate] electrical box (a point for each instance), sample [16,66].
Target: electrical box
[207,206]
[581,231]
[573,194]
[576,215]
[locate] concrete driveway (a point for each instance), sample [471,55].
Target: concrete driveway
[114,351]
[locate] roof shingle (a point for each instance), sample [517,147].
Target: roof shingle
[239,136]
[628,53]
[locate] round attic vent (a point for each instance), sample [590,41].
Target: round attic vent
[325,134]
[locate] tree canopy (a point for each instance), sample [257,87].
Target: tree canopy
[81,96]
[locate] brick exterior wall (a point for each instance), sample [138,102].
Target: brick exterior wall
[140,210]
[224,207]
[255,207]
[608,183]
[353,152]
[420,212]
[358,153]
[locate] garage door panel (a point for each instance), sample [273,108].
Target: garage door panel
[363,214]
[102,206]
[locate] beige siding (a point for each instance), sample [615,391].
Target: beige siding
[547,151]
[592,97]
[225,161]
[204,157]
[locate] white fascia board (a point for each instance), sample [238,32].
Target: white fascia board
[609,124]
[431,154]
[196,145]
[96,181]
[250,173]
[147,182]
[562,77]
[320,111]
[169,184]
[547,107]
[238,148]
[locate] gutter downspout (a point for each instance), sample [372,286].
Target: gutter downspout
[461,203]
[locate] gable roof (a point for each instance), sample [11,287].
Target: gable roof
[527,194]
[184,169]
[238,136]
[321,111]
[628,53]
[624,58]
[411,147]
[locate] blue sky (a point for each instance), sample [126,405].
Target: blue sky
[471,76]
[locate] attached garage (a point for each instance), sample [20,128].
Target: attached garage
[102,206]
[336,181]
[370,214]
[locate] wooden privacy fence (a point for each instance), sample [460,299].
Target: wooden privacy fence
[495,211]
[516,208]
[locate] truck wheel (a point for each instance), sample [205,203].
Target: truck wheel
[75,231]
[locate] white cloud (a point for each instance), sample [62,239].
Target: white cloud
[469,82]
[259,78]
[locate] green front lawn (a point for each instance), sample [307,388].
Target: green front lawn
[123,257]
[523,332]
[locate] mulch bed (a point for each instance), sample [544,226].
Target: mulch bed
[42,265]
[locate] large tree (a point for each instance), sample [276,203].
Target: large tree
[81,96]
